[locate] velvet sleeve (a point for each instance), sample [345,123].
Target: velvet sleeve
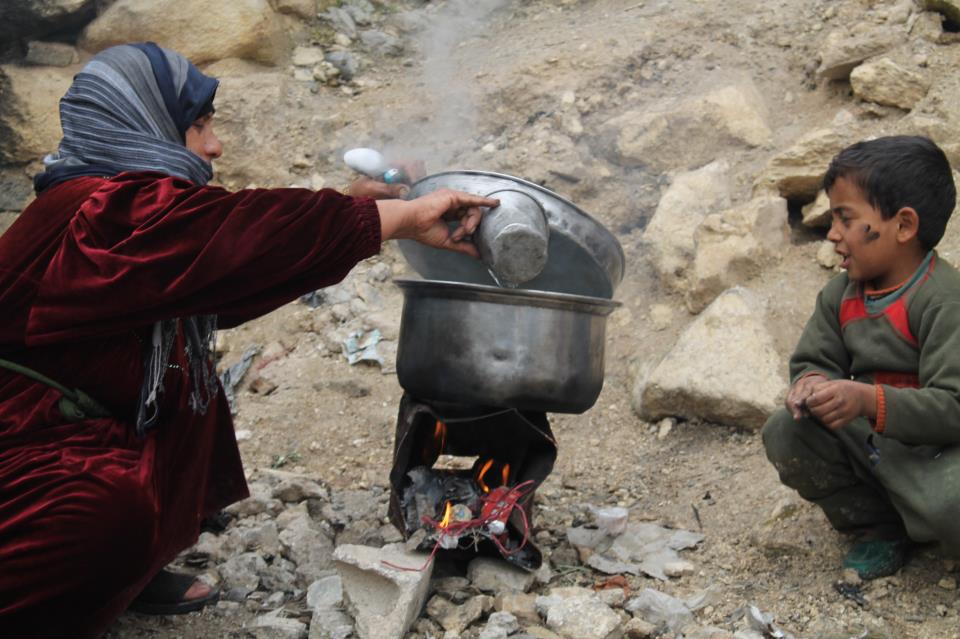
[930,414]
[821,349]
[144,248]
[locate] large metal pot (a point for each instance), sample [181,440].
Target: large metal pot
[585,258]
[489,346]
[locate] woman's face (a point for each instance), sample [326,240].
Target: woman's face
[202,140]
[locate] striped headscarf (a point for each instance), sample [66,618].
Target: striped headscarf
[129,109]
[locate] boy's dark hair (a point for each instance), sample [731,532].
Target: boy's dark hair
[901,171]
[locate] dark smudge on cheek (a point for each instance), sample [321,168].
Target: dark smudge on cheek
[869,235]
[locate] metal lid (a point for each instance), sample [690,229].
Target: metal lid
[584,257]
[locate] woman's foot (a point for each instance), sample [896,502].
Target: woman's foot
[873,558]
[171,593]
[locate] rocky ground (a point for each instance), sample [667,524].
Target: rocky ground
[697,131]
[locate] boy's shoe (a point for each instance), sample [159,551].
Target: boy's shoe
[877,557]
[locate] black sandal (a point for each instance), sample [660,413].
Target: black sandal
[164,595]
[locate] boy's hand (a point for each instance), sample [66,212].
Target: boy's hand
[799,392]
[838,402]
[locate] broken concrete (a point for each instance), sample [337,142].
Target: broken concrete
[384,600]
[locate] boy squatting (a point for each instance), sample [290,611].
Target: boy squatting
[871,427]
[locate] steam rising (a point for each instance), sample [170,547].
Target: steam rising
[447,112]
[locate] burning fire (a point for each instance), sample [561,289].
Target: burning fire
[504,472]
[447,515]
[435,446]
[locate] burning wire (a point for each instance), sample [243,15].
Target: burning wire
[497,506]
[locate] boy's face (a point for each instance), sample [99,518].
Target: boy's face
[871,246]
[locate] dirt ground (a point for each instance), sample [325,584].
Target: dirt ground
[763,545]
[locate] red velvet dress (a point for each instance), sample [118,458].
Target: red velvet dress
[89,511]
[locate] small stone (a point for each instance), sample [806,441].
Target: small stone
[658,607]
[296,489]
[456,618]
[275,600]
[330,624]
[613,597]
[637,628]
[580,617]
[325,593]
[664,427]
[852,577]
[679,569]
[499,626]
[784,509]
[272,626]
[661,317]
[827,255]
[523,606]
[539,632]
[51,54]
[243,572]
[307,56]
[263,537]
[817,214]
[379,272]
[495,575]
[260,385]
[450,585]
[948,583]
[612,520]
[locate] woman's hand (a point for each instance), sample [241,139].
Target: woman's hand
[425,219]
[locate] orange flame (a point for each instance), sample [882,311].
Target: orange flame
[435,446]
[447,515]
[440,434]
[506,473]
[483,471]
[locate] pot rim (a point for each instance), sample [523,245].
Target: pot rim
[414,288]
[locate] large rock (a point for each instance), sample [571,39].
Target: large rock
[797,173]
[228,29]
[25,19]
[949,8]
[885,82]
[384,600]
[724,368]
[29,111]
[692,195]
[732,116]
[732,247]
[938,118]
[843,50]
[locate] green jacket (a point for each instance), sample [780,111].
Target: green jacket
[910,349]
